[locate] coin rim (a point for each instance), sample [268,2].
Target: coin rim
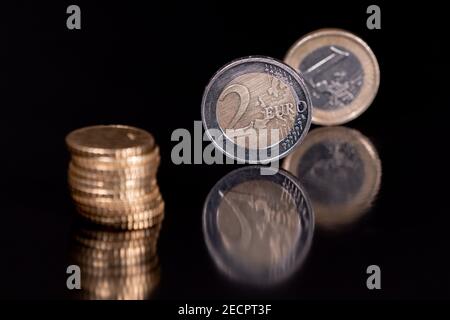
[371,190]
[271,61]
[307,231]
[118,153]
[311,36]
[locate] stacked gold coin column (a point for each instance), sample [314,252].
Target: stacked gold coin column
[112,176]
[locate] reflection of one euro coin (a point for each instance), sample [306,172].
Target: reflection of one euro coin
[258,228]
[341,171]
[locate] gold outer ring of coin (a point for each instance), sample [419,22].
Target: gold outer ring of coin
[117,141]
[322,37]
[331,216]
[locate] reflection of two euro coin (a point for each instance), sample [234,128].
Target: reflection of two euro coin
[341,171]
[258,228]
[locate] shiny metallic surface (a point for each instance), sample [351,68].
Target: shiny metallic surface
[341,72]
[112,176]
[341,171]
[116,265]
[115,141]
[258,228]
[256,103]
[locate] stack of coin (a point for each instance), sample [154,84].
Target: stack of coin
[116,264]
[112,176]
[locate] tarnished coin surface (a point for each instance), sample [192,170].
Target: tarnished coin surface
[341,171]
[258,228]
[256,109]
[341,72]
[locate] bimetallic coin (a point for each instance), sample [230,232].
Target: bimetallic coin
[341,72]
[110,140]
[256,109]
[258,228]
[341,171]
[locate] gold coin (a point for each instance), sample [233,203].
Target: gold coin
[130,172]
[116,141]
[121,209]
[107,202]
[341,171]
[118,185]
[125,217]
[125,222]
[122,194]
[108,163]
[109,236]
[341,72]
[142,244]
[111,183]
[152,208]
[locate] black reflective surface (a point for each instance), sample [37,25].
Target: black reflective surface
[147,66]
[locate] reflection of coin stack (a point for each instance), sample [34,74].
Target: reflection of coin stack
[116,264]
[112,176]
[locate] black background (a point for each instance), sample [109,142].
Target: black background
[147,65]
